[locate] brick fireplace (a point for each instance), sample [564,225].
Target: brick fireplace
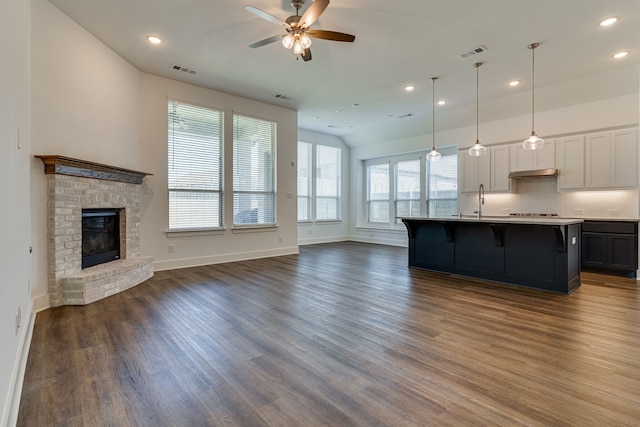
[74,185]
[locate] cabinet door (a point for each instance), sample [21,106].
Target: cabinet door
[546,157]
[468,175]
[499,172]
[597,170]
[624,159]
[594,249]
[622,253]
[570,162]
[521,159]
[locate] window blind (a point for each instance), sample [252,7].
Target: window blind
[442,182]
[195,166]
[408,188]
[254,171]
[304,181]
[327,182]
[378,193]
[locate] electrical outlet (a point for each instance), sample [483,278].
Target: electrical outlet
[170,249]
[280,239]
[579,211]
[614,212]
[505,211]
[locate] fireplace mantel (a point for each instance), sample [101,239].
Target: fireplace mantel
[62,165]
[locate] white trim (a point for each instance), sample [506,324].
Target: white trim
[219,259]
[12,405]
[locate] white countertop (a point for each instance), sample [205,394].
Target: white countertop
[505,220]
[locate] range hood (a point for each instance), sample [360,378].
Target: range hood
[533,173]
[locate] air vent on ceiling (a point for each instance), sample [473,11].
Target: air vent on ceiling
[285,97]
[474,51]
[183,69]
[404,116]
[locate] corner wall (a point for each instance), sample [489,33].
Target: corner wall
[16,310]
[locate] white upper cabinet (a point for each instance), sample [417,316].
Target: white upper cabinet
[570,162]
[491,170]
[603,160]
[624,158]
[500,169]
[523,160]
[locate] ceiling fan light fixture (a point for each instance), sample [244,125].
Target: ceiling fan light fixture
[288,41]
[305,41]
[297,48]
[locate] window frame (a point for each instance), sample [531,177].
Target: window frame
[172,104]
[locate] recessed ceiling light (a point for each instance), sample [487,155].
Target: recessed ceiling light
[154,39]
[355,105]
[409,88]
[514,83]
[442,102]
[609,21]
[621,55]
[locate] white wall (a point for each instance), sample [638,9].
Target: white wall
[15,233]
[328,231]
[190,249]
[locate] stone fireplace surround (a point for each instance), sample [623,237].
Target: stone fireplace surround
[73,185]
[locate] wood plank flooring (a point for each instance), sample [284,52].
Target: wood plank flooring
[342,334]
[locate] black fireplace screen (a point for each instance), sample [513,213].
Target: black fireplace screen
[100,236]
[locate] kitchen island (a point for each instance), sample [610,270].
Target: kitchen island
[541,253]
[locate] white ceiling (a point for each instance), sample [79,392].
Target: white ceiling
[397,43]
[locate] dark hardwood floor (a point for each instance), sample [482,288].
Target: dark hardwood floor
[342,334]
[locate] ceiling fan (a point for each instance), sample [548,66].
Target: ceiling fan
[298,36]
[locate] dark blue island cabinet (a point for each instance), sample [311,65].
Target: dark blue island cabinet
[536,253]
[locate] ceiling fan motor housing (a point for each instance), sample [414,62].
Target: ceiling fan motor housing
[297,4]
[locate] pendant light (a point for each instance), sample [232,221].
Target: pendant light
[433,156]
[533,142]
[477,149]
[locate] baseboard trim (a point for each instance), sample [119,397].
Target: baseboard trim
[219,259]
[11,410]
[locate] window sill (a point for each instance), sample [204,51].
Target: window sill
[254,229]
[192,233]
[382,228]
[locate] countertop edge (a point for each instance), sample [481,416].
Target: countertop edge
[502,220]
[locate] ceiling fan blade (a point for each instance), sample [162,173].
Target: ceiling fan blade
[306,55]
[265,41]
[313,12]
[331,35]
[266,16]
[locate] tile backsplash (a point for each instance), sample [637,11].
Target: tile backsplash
[540,195]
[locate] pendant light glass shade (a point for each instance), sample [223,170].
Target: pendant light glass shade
[477,149]
[305,41]
[433,156]
[534,142]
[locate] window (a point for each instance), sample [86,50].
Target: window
[408,188]
[419,187]
[254,171]
[195,167]
[327,182]
[378,193]
[442,181]
[304,181]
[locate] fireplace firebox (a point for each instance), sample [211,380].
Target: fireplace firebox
[100,236]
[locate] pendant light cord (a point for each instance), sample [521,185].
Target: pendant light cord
[433,113]
[477,65]
[533,87]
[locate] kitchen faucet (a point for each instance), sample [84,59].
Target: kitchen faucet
[480,200]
